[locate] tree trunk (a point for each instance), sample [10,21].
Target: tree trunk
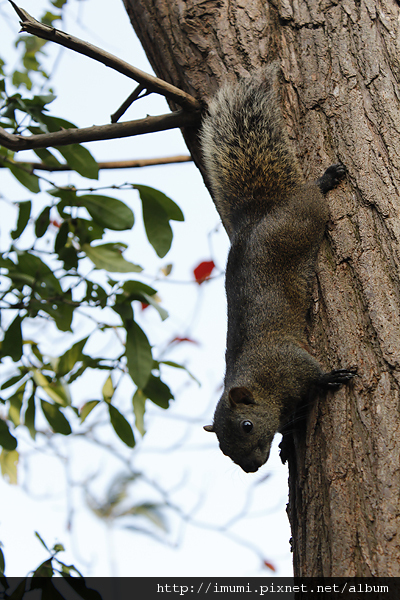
[340,97]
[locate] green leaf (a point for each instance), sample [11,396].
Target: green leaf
[12,342]
[108,389]
[48,18]
[63,246]
[42,222]
[67,572]
[108,212]
[158,392]
[58,3]
[56,124]
[158,210]
[36,352]
[10,382]
[20,279]
[32,271]
[2,563]
[139,401]
[47,157]
[69,256]
[39,101]
[135,290]
[54,389]
[8,464]
[158,229]
[153,302]
[67,195]
[175,365]
[21,78]
[61,312]
[6,263]
[171,208]
[109,258]
[23,218]
[32,266]
[95,293]
[15,406]
[30,62]
[61,237]
[76,374]
[69,359]
[121,426]
[124,310]
[87,408]
[55,418]
[47,588]
[39,537]
[87,231]
[29,417]
[151,512]
[27,179]
[7,440]
[138,354]
[80,160]
[77,157]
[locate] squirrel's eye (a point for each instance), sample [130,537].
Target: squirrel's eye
[246,426]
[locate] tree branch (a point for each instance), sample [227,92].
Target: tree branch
[137,93]
[151,83]
[117,164]
[99,132]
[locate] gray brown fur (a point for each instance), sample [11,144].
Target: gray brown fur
[276,223]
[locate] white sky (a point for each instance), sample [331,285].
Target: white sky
[87,94]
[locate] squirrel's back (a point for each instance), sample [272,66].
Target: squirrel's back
[246,150]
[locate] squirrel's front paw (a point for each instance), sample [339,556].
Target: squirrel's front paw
[337,377]
[331,177]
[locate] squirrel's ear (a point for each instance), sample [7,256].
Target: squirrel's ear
[208,427]
[240,395]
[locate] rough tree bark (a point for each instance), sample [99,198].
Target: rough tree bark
[341,100]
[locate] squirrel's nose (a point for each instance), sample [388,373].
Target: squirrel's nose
[251,466]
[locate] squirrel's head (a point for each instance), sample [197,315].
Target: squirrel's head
[245,428]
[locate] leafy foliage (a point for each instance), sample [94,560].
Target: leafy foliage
[72,580]
[52,285]
[58,266]
[55,284]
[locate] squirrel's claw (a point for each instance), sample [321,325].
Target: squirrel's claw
[331,177]
[337,377]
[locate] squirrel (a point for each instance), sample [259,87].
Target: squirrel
[276,223]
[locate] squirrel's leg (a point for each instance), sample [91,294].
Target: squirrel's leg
[331,177]
[336,378]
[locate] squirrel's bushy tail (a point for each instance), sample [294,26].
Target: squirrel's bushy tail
[246,150]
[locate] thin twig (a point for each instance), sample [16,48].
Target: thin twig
[153,84]
[65,137]
[116,164]
[137,92]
